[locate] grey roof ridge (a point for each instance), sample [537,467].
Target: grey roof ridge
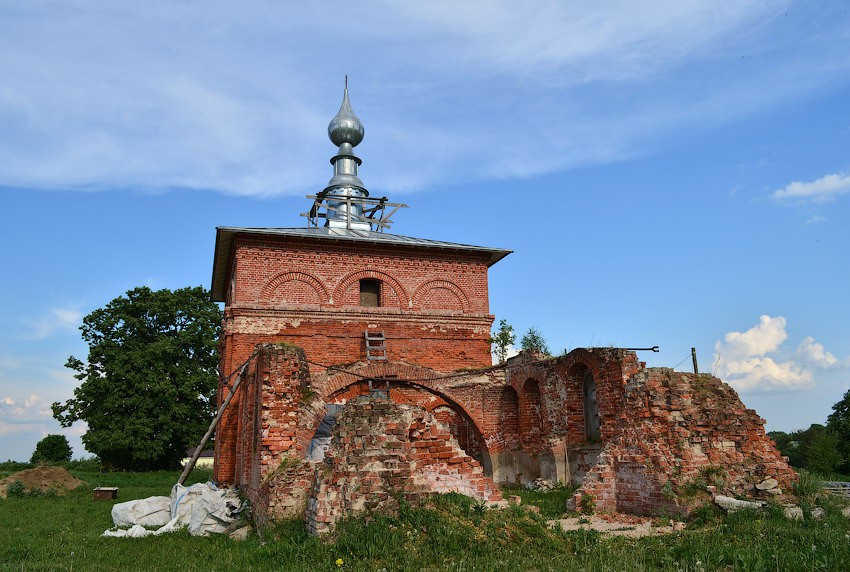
[364,236]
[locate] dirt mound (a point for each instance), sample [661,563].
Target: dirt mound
[42,478]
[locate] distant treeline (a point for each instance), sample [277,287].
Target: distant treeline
[816,449]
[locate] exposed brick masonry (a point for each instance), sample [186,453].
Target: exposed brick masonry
[671,428]
[383,452]
[305,292]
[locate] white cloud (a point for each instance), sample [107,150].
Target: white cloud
[757,341]
[167,96]
[742,359]
[57,320]
[23,416]
[813,353]
[28,387]
[824,189]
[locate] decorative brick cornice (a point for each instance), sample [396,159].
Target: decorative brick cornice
[278,280]
[421,292]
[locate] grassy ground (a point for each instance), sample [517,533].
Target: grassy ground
[453,533]
[552,503]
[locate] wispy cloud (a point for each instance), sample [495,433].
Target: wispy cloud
[826,188]
[750,361]
[17,416]
[213,96]
[56,320]
[27,388]
[814,354]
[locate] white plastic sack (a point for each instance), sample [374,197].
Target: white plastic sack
[153,511]
[203,508]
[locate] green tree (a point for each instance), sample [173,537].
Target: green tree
[838,424]
[148,385]
[533,341]
[52,449]
[790,446]
[822,454]
[502,340]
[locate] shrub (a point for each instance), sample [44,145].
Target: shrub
[808,486]
[16,489]
[587,503]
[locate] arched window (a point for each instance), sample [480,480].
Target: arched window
[370,292]
[591,409]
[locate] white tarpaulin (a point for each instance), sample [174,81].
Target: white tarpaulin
[203,508]
[153,511]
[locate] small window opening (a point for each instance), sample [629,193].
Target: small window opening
[370,292]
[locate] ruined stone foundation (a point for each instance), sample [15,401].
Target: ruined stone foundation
[676,434]
[382,452]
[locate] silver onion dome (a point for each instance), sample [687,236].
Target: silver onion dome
[345,189]
[345,127]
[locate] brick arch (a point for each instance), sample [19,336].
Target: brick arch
[331,382]
[413,376]
[280,279]
[345,284]
[421,292]
[461,428]
[610,369]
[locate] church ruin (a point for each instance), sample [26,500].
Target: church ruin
[366,374]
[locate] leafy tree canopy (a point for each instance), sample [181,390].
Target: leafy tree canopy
[148,384]
[838,424]
[815,449]
[533,341]
[52,449]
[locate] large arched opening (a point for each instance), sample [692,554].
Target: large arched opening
[447,411]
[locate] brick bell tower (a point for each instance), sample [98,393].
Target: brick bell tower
[346,291]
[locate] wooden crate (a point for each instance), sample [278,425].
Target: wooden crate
[105,493]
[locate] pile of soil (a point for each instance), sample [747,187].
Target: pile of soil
[42,478]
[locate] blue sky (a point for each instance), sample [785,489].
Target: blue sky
[667,173]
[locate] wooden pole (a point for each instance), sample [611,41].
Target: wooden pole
[191,464]
[694,356]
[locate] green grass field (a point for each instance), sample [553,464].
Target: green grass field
[453,533]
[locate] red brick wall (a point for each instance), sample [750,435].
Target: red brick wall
[384,451]
[535,425]
[270,417]
[660,429]
[304,292]
[672,427]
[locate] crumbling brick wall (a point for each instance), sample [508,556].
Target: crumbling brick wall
[672,431]
[540,427]
[382,452]
[659,431]
[277,417]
